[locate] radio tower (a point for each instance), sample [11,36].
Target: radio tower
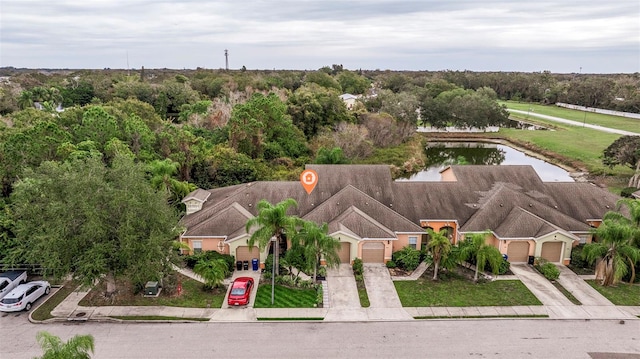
[226,60]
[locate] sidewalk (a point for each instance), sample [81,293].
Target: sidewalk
[347,307]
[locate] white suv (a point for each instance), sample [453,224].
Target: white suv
[23,296]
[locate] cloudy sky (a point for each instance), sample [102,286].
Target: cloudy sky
[489,35]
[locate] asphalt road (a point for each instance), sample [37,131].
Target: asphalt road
[503,338]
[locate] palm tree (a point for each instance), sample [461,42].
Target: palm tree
[614,250]
[75,348]
[440,248]
[317,244]
[162,173]
[272,222]
[25,100]
[213,271]
[475,246]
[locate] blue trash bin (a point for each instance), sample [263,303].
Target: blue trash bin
[254,264]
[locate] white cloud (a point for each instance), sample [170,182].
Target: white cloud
[305,34]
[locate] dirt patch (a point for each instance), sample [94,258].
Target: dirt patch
[398,272]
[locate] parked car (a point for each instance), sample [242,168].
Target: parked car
[240,291]
[10,280]
[23,296]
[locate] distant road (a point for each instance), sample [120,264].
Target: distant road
[575,123]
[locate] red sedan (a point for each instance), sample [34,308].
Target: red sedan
[240,291]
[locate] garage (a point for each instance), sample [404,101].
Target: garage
[373,252]
[344,252]
[551,251]
[518,252]
[243,253]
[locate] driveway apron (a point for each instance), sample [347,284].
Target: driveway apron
[343,292]
[383,298]
[380,289]
[344,303]
[540,286]
[580,289]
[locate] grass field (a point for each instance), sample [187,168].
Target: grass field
[285,297]
[621,123]
[622,294]
[453,290]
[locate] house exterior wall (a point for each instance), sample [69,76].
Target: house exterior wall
[354,251]
[566,247]
[403,241]
[208,244]
[193,206]
[233,246]
[438,225]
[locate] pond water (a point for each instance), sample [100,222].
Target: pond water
[442,154]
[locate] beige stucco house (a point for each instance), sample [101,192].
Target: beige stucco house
[373,216]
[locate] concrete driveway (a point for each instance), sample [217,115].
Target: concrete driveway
[581,290]
[383,298]
[344,303]
[239,314]
[539,286]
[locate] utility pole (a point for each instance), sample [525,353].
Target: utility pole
[226,60]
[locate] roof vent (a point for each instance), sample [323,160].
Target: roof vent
[607,206]
[530,205]
[390,204]
[501,205]
[250,204]
[556,207]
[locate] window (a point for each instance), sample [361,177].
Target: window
[583,238]
[197,246]
[413,242]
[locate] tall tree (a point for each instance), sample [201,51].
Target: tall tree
[272,221]
[77,347]
[625,151]
[615,252]
[318,244]
[439,246]
[94,222]
[475,247]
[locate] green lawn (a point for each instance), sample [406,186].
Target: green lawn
[43,312]
[193,296]
[622,294]
[362,294]
[285,297]
[453,290]
[621,123]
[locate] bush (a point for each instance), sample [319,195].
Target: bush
[577,259]
[407,258]
[391,264]
[548,269]
[358,268]
[193,259]
[502,269]
[319,297]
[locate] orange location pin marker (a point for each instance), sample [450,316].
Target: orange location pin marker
[309,180]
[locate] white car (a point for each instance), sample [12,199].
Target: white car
[23,296]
